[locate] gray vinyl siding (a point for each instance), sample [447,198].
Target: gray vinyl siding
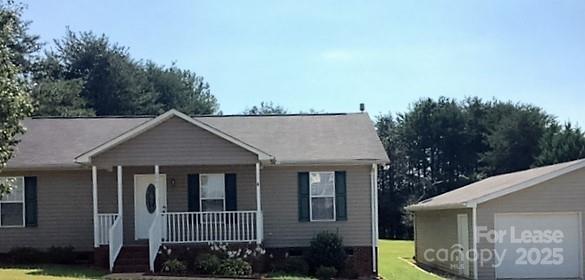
[280,206]
[172,143]
[64,213]
[562,194]
[437,229]
[65,204]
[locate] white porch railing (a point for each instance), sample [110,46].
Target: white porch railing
[105,222]
[116,240]
[155,235]
[225,226]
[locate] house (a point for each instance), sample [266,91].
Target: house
[525,224]
[114,184]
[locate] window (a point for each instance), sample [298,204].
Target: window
[322,195]
[12,204]
[212,196]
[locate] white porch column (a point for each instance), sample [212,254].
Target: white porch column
[374,206]
[157,191]
[120,200]
[95,206]
[259,215]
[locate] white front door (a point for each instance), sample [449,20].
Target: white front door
[145,202]
[463,241]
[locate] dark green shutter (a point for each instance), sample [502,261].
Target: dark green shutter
[303,178]
[340,196]
[193,192]
[231,197]
[30,198]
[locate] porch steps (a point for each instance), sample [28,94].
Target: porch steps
[132,259]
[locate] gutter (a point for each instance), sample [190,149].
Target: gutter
[417,207]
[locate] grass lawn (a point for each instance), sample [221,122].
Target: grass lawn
[50,272]
[394,261]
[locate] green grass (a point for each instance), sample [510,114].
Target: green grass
[50,272]
[396,261]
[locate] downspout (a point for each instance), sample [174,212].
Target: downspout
[374,206]
[474,234]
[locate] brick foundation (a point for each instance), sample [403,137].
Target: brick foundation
[101,257]
[358,257]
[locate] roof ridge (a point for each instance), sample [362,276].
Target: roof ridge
[192,116]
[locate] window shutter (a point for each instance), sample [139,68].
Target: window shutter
[193,192]
[304,197]
[340,196]
[231,198]
[30,198]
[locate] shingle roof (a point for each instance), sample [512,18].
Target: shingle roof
[496,186]
[321,138]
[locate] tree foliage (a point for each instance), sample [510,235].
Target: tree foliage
[440,145]
[265,108]
[15,104]
[86,74]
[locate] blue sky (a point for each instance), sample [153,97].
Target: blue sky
[332,55]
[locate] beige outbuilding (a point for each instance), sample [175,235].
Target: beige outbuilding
[522,225]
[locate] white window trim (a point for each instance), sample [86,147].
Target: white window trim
[311,196]
[200,192]
[14,201]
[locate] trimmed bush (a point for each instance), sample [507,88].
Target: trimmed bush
[235,267]
[326,272]
[208,264]
[293,265]
[25,255]
[327,250]
[61,255]
[174,266]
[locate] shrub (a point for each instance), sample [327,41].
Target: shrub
[327,250]
[174,266]
[349,271]
[325,272]
[25,255]
[293,265]
[61,255]
[235,267]
[208,264]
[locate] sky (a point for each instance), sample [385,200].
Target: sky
[333,55]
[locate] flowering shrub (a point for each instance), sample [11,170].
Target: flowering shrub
[235,267]
[174,266]
[224,252]
[208,264]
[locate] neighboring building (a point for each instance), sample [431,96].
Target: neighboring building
[532,219]
[111,184]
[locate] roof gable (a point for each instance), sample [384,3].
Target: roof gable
[86,157]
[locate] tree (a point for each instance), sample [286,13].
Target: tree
[61,98]
[179,89]
[86,74]
[265,108]
[561,144]
[15,102]
[113,83]
[514,137]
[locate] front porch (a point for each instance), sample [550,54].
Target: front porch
[151,206]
